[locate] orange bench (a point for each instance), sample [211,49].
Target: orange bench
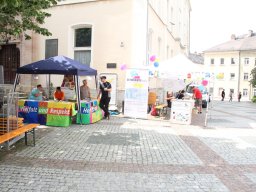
[15,133]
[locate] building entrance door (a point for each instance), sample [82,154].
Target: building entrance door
[10,59]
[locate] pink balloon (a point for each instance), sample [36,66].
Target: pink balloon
[123,67]
[152,58]
[204,82]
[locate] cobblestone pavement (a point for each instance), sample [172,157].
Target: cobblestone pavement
[132,155]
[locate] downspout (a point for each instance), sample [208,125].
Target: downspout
[239,71]
[147,57]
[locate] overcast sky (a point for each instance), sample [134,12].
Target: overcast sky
[214,21]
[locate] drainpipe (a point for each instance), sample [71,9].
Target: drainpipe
[147,57]
[239,71]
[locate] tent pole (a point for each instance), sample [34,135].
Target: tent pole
[78,97]
[96,81]
[49,86]
[15,82]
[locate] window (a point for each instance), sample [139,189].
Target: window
[232,76]
[159,46]
[212,61]
[167,51]
[232,61]
[51,48]
[83,37]
[254,92]
[150,39]
[246,76]
[82,45]
[211,90]
[246,61]
[245,92]
[220,90]
[222,61]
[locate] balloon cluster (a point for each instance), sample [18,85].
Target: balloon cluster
[155,64]
[154,60]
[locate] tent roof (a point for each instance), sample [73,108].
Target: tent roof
[178,66]
[57,65]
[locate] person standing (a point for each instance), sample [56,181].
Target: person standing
[169,98]
[239,96]
[230,96]
[85,91]
[223,95]
[105,92]
[197,95]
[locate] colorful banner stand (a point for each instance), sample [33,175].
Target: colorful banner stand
[47,112]
[90,112]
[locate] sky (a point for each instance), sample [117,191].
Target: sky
[214,21]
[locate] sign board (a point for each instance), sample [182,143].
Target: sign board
[181,111]
[136,93]
[112,79]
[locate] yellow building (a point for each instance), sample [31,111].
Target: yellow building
[232,63]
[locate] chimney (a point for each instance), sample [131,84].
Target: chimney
[250,32]
[233,37]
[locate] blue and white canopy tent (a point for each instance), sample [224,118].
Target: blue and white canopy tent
[60,65]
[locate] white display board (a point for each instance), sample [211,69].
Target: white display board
[112,79]
[181,111]
[136,93]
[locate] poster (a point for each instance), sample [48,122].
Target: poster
[181,111]
[59,113]
[112,79]
[90,112]
[33,111]
[136,93]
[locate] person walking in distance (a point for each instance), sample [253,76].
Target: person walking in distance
[105,92]
[239,96]
[223,95]
[230,96]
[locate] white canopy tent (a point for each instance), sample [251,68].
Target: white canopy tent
[178,67]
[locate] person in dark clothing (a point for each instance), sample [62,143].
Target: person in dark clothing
[181,95]
[239,96]
[105,92]
[223,95]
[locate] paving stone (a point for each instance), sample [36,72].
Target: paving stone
[113,143]
[105,181]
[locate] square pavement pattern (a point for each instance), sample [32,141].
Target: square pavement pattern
[127,155]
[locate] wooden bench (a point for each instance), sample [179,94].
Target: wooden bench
[15,133]
[161,108]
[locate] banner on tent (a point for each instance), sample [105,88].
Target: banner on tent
[136,93]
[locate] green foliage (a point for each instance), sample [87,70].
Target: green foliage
[253,77]
[254,99]
[19,16]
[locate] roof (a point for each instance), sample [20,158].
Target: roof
[196,58]
[57,65]
[240,43]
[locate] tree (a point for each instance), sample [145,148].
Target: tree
[17,17]
[253,77]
